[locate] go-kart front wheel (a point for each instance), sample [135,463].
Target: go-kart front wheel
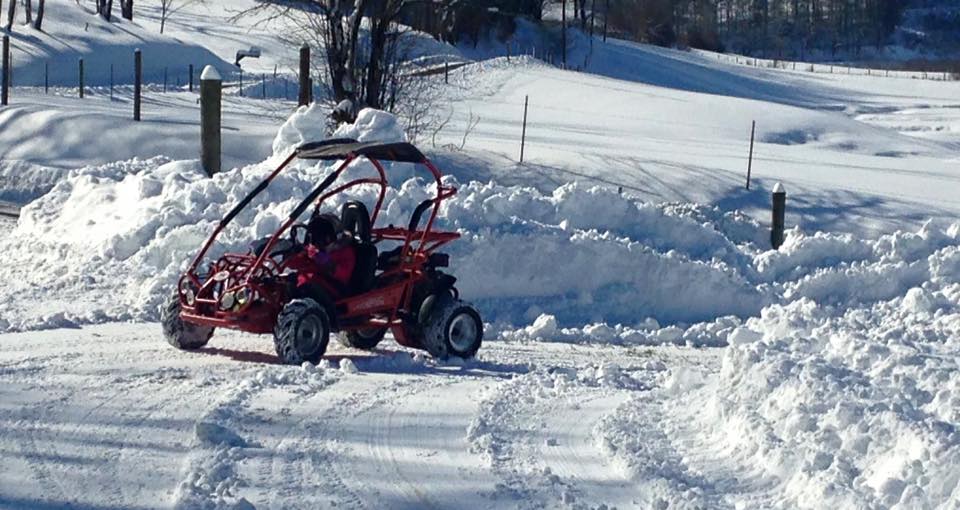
[453,328]
[302,332]
[180,334]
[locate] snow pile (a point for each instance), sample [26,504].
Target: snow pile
[647,332]
[21,182]
[850,408]
[311,124]
[108,242]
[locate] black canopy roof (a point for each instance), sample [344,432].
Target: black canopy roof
[341,148]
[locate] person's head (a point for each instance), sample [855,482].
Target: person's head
[323,230]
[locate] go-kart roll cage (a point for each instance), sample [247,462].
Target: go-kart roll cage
[347,151]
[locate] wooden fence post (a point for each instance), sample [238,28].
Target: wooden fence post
[523,135]
[304,97]
[446,72]
[111,82]
[779,212]
[211,94]
[241,82]
[5,85]
[80,80]
[190,72]
[46,77]
[137,82]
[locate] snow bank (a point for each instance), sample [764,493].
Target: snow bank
[21,182]
[108,242]
[818,405]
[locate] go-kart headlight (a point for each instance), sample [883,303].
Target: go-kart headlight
[243,296]
[228,300]
[186,288]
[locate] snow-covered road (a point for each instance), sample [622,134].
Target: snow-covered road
[110,416]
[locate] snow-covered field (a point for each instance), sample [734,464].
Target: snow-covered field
[644,348]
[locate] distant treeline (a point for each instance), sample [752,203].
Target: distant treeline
[768,28]
[795,29]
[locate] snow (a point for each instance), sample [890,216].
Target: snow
[645,348]
[210,73]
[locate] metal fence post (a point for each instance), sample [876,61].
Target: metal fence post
[753,129]
[523,135]
[211,94]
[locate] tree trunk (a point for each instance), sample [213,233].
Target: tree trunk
[126,9]
[107,10]
[28,11]
[38,22]
[378,41]
[11,13]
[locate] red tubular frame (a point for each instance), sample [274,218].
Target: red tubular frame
[384,302]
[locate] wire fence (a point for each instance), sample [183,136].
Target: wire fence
[835,68]
[160,75]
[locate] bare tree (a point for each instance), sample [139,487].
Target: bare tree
[11,14]
[105,9]
[38,22]
[126,9]
[28,11]
[169,8]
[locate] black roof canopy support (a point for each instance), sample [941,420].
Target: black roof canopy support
[342,148]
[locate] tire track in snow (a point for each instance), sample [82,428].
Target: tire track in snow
[422,449]
[536,433]
[321,434]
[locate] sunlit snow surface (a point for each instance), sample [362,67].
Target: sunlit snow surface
[644,348]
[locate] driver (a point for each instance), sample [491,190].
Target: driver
[330,250]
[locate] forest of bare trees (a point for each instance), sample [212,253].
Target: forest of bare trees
[768,28]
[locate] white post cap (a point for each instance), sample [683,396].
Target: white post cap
[210,73]
[779,188]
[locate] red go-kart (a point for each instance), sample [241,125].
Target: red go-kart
[402,289]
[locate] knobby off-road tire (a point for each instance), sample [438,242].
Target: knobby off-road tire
[453,328]
[302,332]
[180,334]
[365,339]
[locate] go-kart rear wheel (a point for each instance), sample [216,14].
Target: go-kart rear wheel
[302,332]
[180,334]
[453,328]
[365,338]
